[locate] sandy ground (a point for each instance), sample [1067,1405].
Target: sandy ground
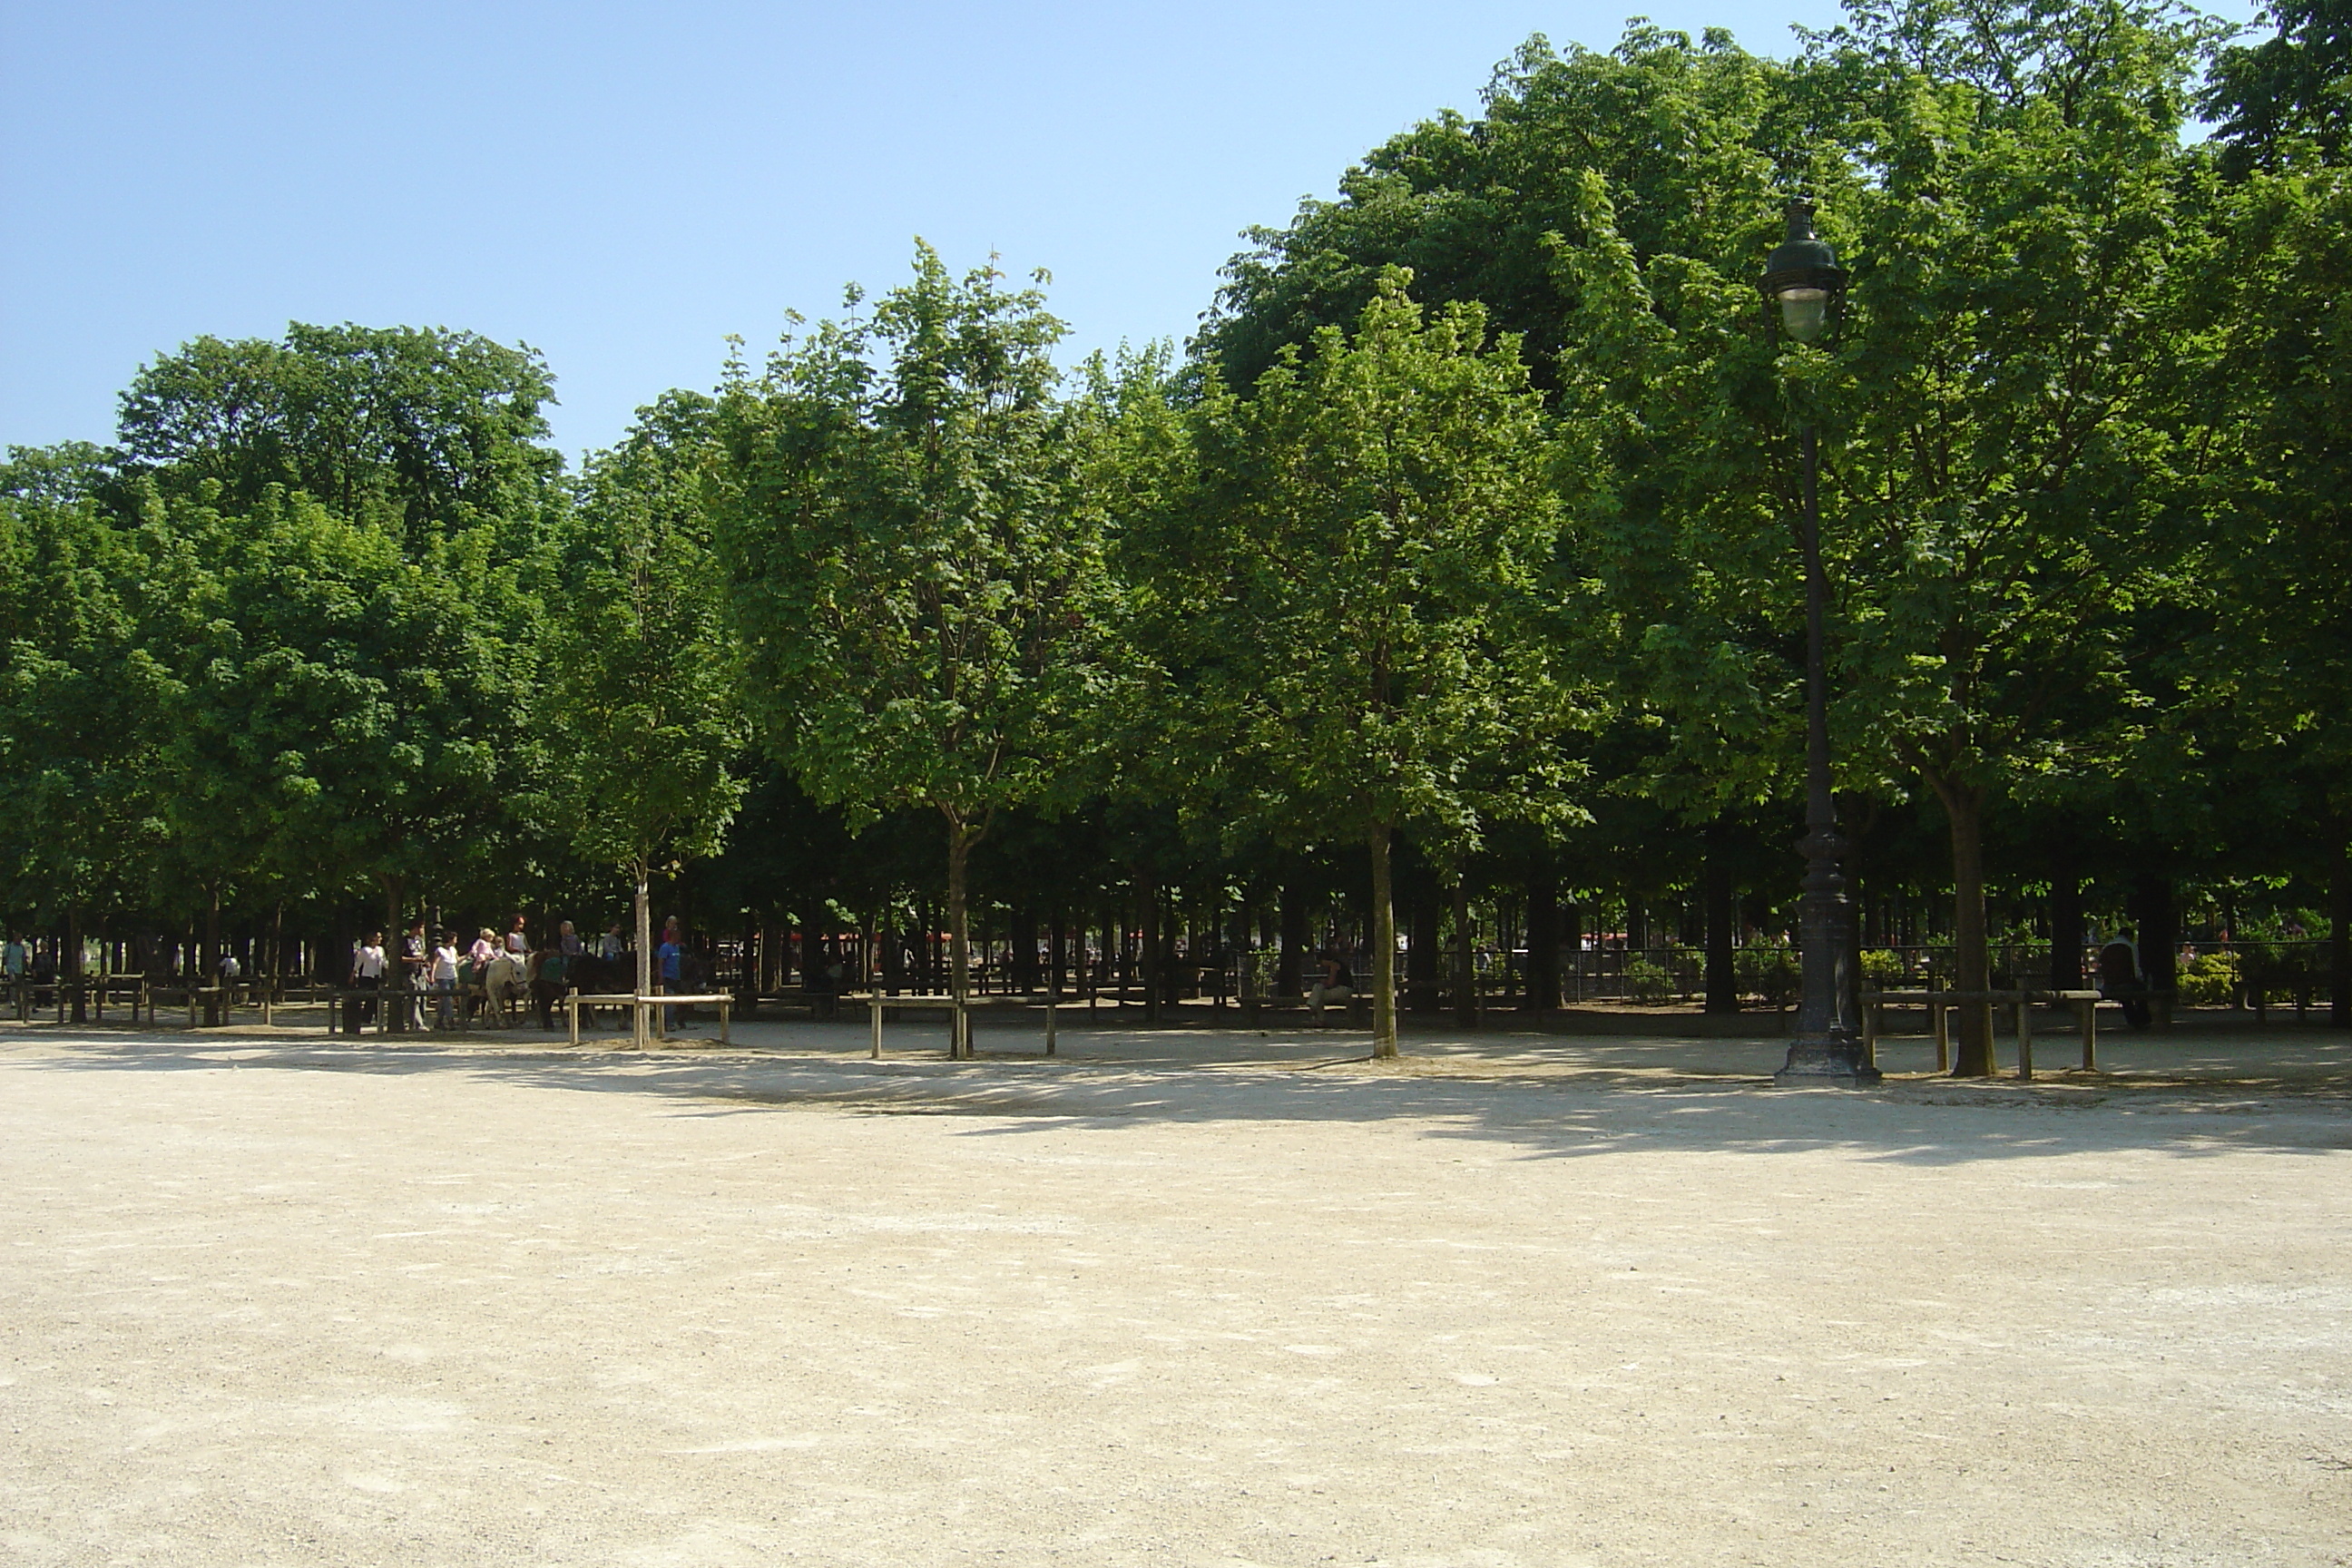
[1181,1298]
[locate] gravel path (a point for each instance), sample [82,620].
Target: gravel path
[1181,1298]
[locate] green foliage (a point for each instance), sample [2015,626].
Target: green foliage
[1339,597]
[639,697]
[1882,967]
[2208,980]
[77,702]
[1648,982]
[1771,972]
[2292,90]
[1344,602]
[907,557]
[328,712]
[437,431]
[912,566]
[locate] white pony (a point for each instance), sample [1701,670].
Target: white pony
[504,985]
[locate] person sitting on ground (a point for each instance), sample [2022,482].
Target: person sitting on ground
[1338,984]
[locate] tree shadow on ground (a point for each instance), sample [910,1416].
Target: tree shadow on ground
[1539,1097]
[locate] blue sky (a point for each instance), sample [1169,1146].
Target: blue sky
[622,185]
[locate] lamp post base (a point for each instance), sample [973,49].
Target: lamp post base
[1831,1063]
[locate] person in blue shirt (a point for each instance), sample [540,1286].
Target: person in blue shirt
[666,958]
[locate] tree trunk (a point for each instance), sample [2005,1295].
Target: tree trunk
[1420,952]
[1465,955]
[1384,1030]
[2160,946]
[1569,943]
[750,966]
[1722,918]
[1148,888]
[1971,964]
[394,988]
[71,969]
[2340,935]
[209,963]
[960,838]
[2065,928]
[644,904]
[1024,956]
[1543,937]
[1290,971]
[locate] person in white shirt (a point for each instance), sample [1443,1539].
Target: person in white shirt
[518,941]
[367,959]
[445,980]
[368,964]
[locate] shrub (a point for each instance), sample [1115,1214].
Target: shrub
[1770,973]
[2208,979]
[1647,981]
[1882,967]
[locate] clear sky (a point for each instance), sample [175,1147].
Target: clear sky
[621,186]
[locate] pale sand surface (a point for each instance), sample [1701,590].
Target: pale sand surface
[1186,1298]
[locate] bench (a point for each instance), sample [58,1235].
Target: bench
[958,1014]
[654,1003]
[1939,1004]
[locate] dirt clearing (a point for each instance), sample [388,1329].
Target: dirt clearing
[1196,1300]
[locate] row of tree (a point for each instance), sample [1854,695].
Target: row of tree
[1459,540]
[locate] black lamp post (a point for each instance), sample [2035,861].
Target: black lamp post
[1803,278]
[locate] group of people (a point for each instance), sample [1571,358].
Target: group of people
[437,971]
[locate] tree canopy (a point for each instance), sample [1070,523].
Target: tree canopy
[1443,592]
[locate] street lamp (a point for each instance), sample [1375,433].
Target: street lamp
[1803,278]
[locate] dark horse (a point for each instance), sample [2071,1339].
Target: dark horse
[555,972]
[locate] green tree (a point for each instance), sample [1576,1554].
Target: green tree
[911,560]
[329,713]
[640,695]
[2280,660]
[78,697]
[2020,455]
[1343,598]
[2293,89]
[439,431]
